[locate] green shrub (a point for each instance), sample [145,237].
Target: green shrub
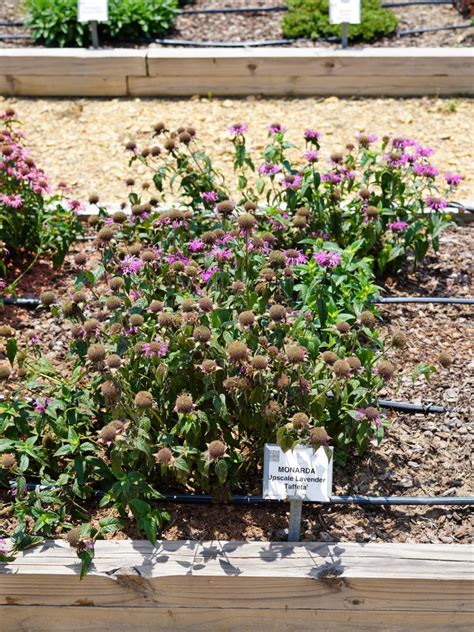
[54,22]
[310,19]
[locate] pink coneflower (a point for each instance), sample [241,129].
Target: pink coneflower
[131,265]
[295,257]
[210,197]
[75,205]
[327,259]
[436,203]
[13,200]
[292,182]
[398,227]
[238,128]
[311,156]
[196,245]
[276,128]
[453,179]
[268,169]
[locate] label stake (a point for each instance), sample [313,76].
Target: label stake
[294,526]
[345,33]
[94,33]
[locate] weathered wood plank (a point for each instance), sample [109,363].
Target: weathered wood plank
[85,619]
[73,61]
[62,85]
[309,62]
[297,85]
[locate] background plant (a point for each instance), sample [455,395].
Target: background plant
[54,22]
[310,19]
[34,222]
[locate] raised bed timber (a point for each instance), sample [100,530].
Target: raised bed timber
[234,72]
[223,586]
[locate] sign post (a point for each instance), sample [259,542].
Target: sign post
[344,12]
[93,11]
[297,475]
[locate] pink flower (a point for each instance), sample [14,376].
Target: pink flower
[4,548]
[238,128]
[75,205]
[327,259]
[292,182]
[135,294]
[453,179]
[207,275]
[196,245]
[402,143]
[312,135]
[398,227]
[295,257]
[268,169]
[131,265]
[436,203]
[221,254]
[276,128]
[210,196]
[42,405]
[332,176]
[365,139]
[311,156]
[376,420]
[161,351]
[14,201]
[425,169]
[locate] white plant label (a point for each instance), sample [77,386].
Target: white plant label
[92,10]
[344,11]
[299,474]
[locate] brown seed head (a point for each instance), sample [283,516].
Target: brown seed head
[184,404]
[216,450]
[96,353]
[329,357]
[341,368]
[144,400]
[247,318]
[318,437]
[300,421]
[246,222]
[202,334]
[7,461]
[164,456]
[277,313]
[367,319]
[259,362]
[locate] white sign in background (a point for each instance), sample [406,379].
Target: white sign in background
[341,11]
[92,10]
[299,474]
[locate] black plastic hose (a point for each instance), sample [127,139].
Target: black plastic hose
[434,29]
[422,300]
[413,408]
[209,44]
[233,10]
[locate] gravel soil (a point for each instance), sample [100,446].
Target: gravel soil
[91,133]
[258,26]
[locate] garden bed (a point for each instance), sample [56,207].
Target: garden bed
[236,586]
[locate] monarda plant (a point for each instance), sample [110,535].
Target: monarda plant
[34,221]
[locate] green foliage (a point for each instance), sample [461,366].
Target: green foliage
[54,22]
[310,19]
[33,222]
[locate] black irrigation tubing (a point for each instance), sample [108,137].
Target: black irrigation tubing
[413,408]
[207,499]
[434,29]
[422,300]
[280,8]
[209,44]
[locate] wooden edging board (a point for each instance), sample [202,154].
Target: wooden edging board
[240,586]
[281,71]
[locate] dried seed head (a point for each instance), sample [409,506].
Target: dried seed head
[303,212]
[166,319]
[385,369]
[108,433]
[295,354]
[79,297]
[372,212]
[144,400]
[130,182]
[364,194]
[73,537]
[237,351]
[131,146]
[318,437]
[113,361]
[329,357]
[116,283]
[93,220]
[277,259]
[164,456]
[341,368]
[80,259]
[111,391]
[136,320]
[216,450]
[246,222]
[96,353]
[135,249]
[208,366]
[399,339]
[68,308]
[169,145]
[184,404]
[272,411]
[300,421]
[250,206]
[445,359]
[159,127]
[202,334]
[93,198]
[372,413]
[277,313]
[238,287]
[113,302]
[342,327]
[6,331]
[282,382]
[106,234]
[7,461]
[205,303]
[91,326]
[156,306]
[354,363]
[188,305]
[367,319]
[259,362]
[247,318]
[47,298]
[337,157]
[209,237]
[267,274]
[299,221]
[225,208]
[48,442]
[178,266]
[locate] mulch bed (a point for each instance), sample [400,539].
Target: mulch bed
[258,26]
[420,456]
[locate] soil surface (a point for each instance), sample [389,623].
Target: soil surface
[422,455]
[65,133]
[266,25]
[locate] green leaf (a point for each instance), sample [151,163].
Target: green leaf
[221,471]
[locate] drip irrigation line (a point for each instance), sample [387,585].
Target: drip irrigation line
[11,24]
[413,408]
[434,29]
[207,499]
[209,44]
[15,37]
[279,8]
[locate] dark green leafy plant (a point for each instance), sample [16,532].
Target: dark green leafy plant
[54,22]
[34,222]
[310,19]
